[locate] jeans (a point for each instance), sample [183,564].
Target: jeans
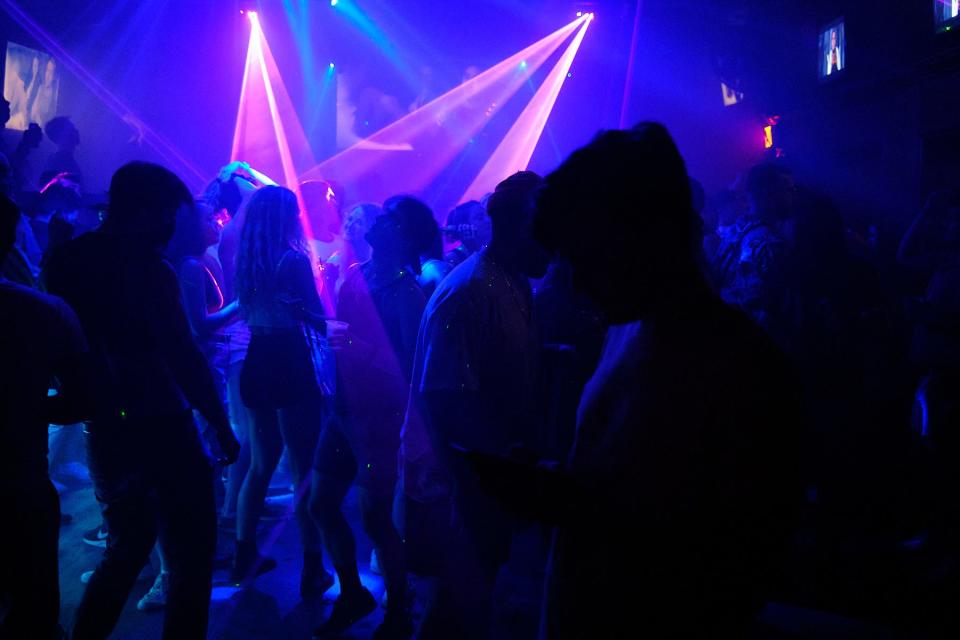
[152,477]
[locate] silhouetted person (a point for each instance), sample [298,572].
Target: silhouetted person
[18,154]
[382,303]
[571,334]
[474,384]
[678,494]
[931,246]
[750,268]
[63,133]
[4,116]
[355,249]
[469,225]
[228,194]
[202,293]
[149,467]
[433,267]
[40,338]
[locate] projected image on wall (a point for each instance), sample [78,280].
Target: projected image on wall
[31,85]
[833,54]
[946,14]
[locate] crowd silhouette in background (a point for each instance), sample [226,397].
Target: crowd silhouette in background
[706,402]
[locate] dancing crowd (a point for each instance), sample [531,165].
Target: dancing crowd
[668,385]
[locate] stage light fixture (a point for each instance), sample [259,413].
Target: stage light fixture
[334,3]
[523,64]
[331,65]
[579,13]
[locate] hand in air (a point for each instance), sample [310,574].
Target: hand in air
[233,167]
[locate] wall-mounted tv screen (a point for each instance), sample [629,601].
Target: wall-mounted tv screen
[31,83]
[946,14]
[833,49]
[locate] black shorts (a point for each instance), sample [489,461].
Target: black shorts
[278,371]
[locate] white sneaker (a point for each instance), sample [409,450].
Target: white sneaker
[156,598]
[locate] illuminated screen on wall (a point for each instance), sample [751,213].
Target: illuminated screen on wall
[31,83]
[946,14]
[731,96]
[833,49]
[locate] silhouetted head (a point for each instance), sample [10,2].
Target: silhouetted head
[4,111]
[772,191]
[6,176]
[272,227]
[472,216]
[9,219]
[197,230]
[229,195]
[405,232]
[144,201]
[63,133]
[619,210]
[511,210]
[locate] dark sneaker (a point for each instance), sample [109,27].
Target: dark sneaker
[96,537]
[156,598]
[315,580]
[347,610]
[246,568]
[314,586]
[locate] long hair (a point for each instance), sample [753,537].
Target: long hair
[419,229]
[272,227]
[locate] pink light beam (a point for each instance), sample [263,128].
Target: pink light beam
[515,150]
[628,83]
[286,158]
[263,136]
[440,129]
[268,133]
